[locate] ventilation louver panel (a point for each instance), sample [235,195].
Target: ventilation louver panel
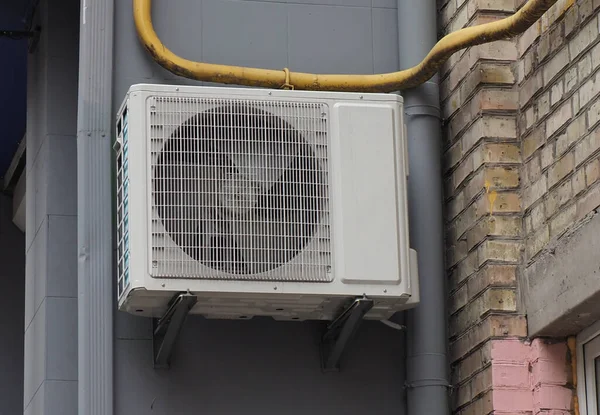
[123,248]
[239,189]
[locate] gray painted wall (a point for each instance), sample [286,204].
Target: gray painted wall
[219,367]
[50,370]
[12,304]
[259,366]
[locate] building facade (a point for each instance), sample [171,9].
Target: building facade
[521,169]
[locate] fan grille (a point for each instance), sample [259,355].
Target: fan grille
[239,189]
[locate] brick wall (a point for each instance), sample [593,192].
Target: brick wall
[559,122]
[522,130]
[482,167]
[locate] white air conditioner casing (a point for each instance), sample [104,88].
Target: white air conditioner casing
[262,202]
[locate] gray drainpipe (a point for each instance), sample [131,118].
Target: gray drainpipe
[94,209]
[427,366]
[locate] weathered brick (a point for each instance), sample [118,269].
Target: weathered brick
[501,177]
[587,147]
[555,12]
[502,50]
[594,113]
[494,299]
[458,299]
[543,105]
[571,79]
[537,241]
[571,20]
[483,101]
[447,13]
[451,105]
[480,405]
[547,156]
[482,382]
[575,131]
[592,172]
[556,93]
[462,171]
[464,269]
[460,20]
[474,186]
[578,181]
[528,63]
[452,156]
[489,126]
[485,74]
[530,88]
[534,192]
[501,153]
[530,117]
[473,363]
[584,67]
[559,118]
[555,65]
[543,47]
[492,326]
[583,39]
[586,8]
[596,56]
[528,37]
[463,396]
[497,99]
[588,202]
[564,219]
[504,202]
[492,275]
[501,251]
[557,198]
[490,5]
[456,252]
[533,141]
[532,170]
[536,218]
[507,226]
[561,169]
[465,220]
[575,103]
[589,90]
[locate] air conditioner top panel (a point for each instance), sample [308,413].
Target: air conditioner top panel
[258,93]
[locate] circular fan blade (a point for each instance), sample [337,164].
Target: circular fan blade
[186,194]
[222,252]
[262,161]
[242,193]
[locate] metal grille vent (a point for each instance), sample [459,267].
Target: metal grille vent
[123,204]
[239,189]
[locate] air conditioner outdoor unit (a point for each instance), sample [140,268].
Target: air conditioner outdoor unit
[261,202]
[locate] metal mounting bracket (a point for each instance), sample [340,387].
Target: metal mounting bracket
[340,332]
[167,328]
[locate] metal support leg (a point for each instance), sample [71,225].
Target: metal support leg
[340,332]
[168,327]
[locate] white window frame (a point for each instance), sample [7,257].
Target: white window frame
[588,350]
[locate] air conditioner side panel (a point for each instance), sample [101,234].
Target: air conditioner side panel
[366,155]
[137,229]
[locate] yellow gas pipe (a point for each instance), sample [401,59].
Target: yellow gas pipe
[388,82]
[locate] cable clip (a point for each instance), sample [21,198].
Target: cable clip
[287,85]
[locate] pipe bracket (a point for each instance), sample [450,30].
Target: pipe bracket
[428,382]
[287,84]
